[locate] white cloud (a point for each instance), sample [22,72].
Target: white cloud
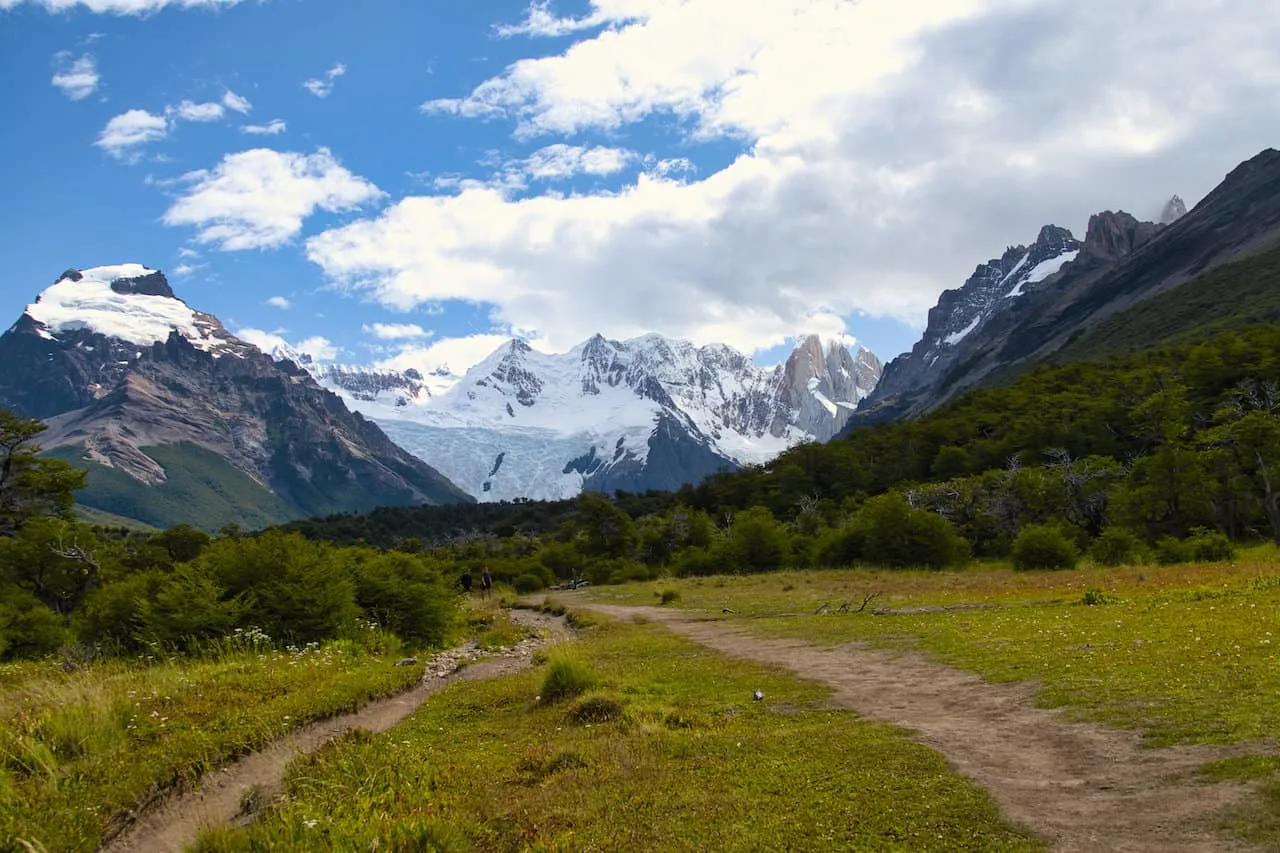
[191,111]
[395,331]
[278,302]
[453,355]
[129,130]
[236,103]
[318,347]
[887,148]
[565,161]
[258,199]
[322,86]
[184,269]
[78,79]
[272,128]
[541,21]
[119,7]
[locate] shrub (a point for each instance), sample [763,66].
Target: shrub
[668,595]
[896,535]
[1044,546]
[598,708]
[843,546]
[1170,550]
[757,542]
[1116,546]
[566,677]
[698,562]
[404,594]
[28,629]
[1210,546]
[1094,597]
[527,583]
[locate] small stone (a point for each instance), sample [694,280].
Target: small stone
[758,695]
[406,661]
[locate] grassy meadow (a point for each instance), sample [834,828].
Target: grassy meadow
[629,739]
[80,748]
[1184,653]
[634,738]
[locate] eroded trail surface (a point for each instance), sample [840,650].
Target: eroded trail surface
[174,823]
[1080,786]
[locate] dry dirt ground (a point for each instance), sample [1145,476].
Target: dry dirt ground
[1081,787]
[173,823]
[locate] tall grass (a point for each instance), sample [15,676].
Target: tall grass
[79,749]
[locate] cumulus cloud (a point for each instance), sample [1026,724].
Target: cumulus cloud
[77,78]
[118,7]
[318,347]
[278,302]
[887,148]
[272,128]
[395,331]
[323,85]
[258,199]
[127,132]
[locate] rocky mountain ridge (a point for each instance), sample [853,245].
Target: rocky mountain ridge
[650,412]
[117,365]
[1121,262]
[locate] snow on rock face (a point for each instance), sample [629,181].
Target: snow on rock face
[524,423]
[129,302]
[990,290]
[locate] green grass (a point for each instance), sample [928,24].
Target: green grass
[79,749]
[201,490]
[669,753]
[101,518]
[1185,654]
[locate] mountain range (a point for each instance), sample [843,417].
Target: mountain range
[646,413]
[179,420]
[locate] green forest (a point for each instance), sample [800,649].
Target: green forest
[1162,456]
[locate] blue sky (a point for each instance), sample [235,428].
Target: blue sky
[407,182]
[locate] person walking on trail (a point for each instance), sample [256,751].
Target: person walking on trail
[465,580]
[486,582]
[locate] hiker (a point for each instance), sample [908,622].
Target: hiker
[486,582]
[466,580]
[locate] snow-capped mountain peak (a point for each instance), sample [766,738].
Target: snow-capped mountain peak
[128,302]
[647,412]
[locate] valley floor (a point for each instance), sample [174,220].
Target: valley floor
[1083,787]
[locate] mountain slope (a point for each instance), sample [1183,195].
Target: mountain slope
[647,413]
[1120,264]
[117,365]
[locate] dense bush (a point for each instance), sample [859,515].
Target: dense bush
[1203,546]
[1116,546]
[404,594]
[1044,546]
[887,531]
[27,627]
[527,583]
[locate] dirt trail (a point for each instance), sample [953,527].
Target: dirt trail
[174,823]
[1080,786]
